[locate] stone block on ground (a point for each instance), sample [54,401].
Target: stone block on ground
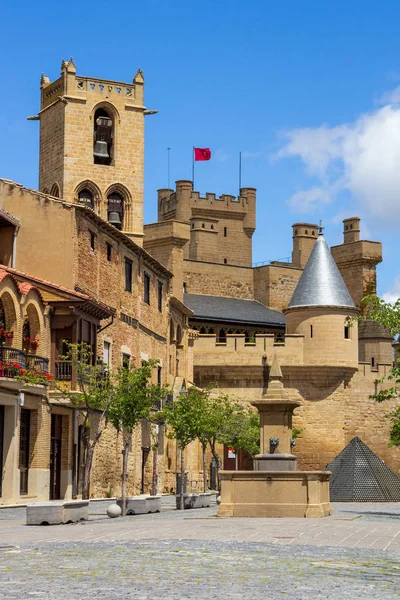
[140,505]
[194,500]
[56,512]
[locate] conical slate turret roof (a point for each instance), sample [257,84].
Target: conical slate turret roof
[321,283]
[359,475]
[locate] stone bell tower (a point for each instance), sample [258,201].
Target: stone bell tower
[92,145]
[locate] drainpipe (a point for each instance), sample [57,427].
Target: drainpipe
[14,249]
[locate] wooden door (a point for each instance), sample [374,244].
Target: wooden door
[55,457]
[24,436]
[1,445]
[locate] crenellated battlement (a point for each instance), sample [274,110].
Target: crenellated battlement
[232,220]
[174,204]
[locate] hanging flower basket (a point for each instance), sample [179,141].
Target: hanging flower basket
[34,343]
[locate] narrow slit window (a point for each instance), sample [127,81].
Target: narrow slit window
[146,281]
[311,330]
[128,275]
[346,332]
[92,240]
[225,231]
[160,296]
[109,252]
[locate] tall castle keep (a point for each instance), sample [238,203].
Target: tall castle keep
[221,228]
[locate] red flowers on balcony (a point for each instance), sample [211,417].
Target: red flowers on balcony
[5,336]
[33,342]
[32,376]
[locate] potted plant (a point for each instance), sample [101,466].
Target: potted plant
[6,336]
[34,343]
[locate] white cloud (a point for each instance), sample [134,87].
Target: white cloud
[308,200]
[391,97]
[362,158]
[393,292]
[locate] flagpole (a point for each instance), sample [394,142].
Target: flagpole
[169,165]
[193,168]
[240,171]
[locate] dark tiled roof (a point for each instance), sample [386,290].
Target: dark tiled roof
[232,310]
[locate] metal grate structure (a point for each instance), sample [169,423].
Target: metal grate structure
[359,475]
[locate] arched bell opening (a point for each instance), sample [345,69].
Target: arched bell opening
[103,136]
[85,197]
[115,209]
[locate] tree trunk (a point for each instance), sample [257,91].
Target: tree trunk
[204,448]
[87,471]
[154,480]
[182,497]
[125,454]
[217,463]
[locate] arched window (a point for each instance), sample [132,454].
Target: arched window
[115,209]
[85,197]
[55,190]
[103,137]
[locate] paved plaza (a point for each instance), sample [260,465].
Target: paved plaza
[193,554]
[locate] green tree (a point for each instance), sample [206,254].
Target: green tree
[134,396]
[212,424]
[181,416]
[242,431]
[388,315]
[92,399]
[200,406]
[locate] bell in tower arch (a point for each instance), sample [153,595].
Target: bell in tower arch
[102,139]
[100,149]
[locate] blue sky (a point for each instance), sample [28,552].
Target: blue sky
[308,90]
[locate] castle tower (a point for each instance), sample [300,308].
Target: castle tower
[320,309]
[304,238]
[92,145]
[357,260]
[221,228]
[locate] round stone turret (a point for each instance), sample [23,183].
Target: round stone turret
[321,309]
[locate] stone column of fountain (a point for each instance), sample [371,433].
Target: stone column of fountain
[276,415]
[275,488]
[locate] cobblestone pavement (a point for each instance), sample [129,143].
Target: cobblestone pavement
[354,554]
[149,570]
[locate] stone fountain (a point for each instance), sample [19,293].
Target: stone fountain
[275,488]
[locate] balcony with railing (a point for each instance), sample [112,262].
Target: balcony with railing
[63,370]
[12,360]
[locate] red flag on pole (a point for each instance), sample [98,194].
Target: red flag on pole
[202,153]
